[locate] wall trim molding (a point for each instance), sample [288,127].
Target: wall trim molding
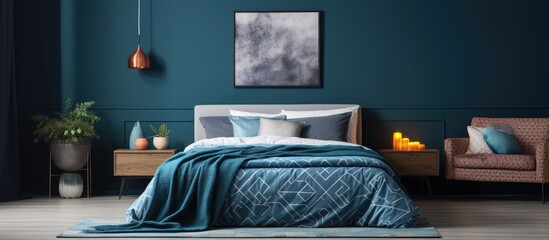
[464,107]
[408,120]
[363,107]
[110,108]
[441,120]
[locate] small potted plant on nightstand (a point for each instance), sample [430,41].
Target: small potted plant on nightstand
[161,138]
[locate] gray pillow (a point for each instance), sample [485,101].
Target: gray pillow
[279,128]
[217,126]
[333,127]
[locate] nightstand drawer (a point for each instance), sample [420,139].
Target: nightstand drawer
[139,162]
[413,163]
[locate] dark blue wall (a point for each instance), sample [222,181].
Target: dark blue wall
[423,67]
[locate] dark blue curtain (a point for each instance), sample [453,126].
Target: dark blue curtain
[9,155]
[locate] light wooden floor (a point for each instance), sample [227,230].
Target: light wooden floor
[455,218]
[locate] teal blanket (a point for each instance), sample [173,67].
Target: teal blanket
[190,188]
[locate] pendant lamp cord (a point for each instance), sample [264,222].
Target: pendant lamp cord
[138,22]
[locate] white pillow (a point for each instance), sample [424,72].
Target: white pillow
[252,114]
[271,127]
[353,122]
[477,144]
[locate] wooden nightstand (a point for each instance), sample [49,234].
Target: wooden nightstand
[422,164]
[138,163]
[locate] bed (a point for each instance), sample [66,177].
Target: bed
[284,181]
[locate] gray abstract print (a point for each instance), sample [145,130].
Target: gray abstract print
[277,49]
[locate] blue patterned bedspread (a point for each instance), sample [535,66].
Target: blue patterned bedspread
[311,192]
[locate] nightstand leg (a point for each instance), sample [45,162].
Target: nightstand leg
[88,169]
[428,182]
[49,185]
[422,185]
[121,188]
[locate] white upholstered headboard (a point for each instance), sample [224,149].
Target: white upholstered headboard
[223,110]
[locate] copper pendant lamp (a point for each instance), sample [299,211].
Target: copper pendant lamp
[138,59]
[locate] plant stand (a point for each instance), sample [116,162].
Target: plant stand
[86,168]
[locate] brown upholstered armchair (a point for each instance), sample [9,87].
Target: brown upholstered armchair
[532,134]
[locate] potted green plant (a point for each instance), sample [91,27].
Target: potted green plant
[161,138]
[69,135]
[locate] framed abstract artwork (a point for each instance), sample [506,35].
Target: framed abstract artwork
[277,49]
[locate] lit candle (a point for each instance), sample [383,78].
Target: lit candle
[415,146]
[410,146]
[397,137]
[404,144]
[421,146]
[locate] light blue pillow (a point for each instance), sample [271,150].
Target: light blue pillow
[500,142]
[248,126]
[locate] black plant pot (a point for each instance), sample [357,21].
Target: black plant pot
[70,156]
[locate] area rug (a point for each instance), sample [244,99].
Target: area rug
[422,230]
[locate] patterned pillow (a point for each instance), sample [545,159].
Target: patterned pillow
[477,144]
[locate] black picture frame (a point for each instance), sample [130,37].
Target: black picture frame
[277,49]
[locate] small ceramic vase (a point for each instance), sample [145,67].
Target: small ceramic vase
[136,133]
[141,143]
[70,185]
[160,142]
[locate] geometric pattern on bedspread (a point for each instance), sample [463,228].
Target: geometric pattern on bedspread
[310,192]
[316,192]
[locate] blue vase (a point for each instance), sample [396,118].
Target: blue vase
[136,133]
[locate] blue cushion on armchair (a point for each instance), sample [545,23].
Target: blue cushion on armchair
[500,142]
